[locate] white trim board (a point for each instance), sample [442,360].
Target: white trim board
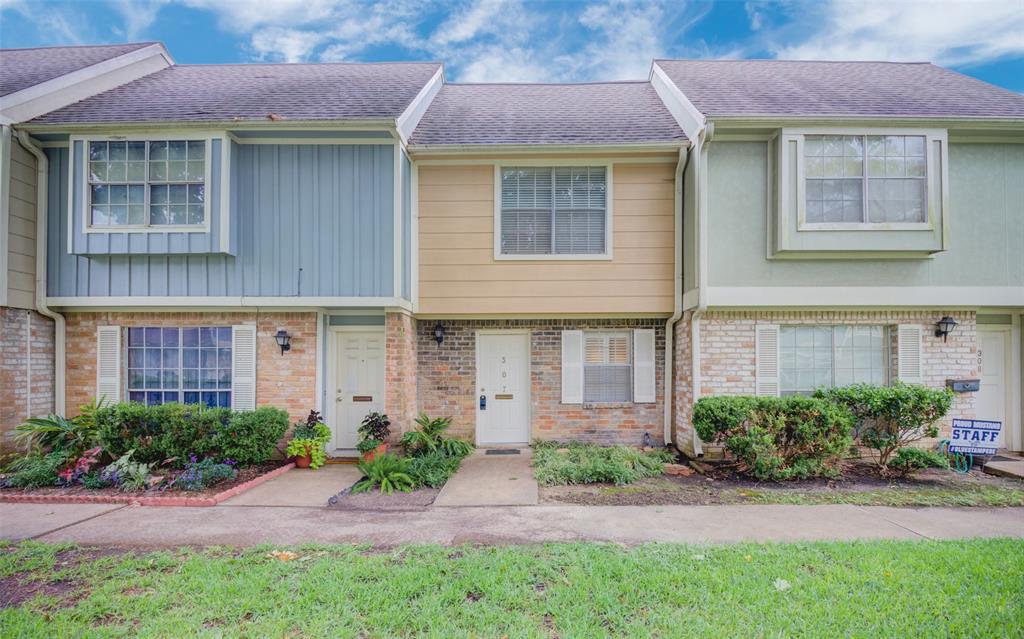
[188,303]
[864,296]
[688,116]
[406,123]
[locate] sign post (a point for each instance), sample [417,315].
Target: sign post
[974,436]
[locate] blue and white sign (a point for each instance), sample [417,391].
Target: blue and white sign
[974,436]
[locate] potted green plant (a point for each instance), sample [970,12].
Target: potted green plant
[308,441]
[373,434]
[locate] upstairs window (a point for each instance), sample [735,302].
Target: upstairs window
[147,183]
[554,211]
[865,179]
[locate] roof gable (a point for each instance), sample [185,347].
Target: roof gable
[24,68]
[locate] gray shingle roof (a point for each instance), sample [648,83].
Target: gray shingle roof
[213,93]
[597,113]
[795,88]
[23,68]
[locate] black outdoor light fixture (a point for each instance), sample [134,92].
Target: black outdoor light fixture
[944,327]
[284,340]
[439,333]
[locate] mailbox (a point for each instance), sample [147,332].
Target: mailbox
[964,385]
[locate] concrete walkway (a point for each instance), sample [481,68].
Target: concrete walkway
[300,487]
[491,480]
[164,526]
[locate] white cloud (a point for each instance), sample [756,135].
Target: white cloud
[470,21]
[138,15]
[947,33]
[287,45]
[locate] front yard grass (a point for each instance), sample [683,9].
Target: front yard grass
[967,495]
[924,588]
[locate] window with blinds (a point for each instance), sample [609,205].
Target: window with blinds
[554,210]
[607,368]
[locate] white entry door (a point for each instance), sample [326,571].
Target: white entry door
[357,383]
[503,381]
[994,362]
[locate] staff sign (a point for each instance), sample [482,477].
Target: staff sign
[974,436]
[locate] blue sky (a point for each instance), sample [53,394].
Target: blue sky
[513,40]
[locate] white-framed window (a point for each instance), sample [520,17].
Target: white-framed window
[607,367]
[812,357]
[865,179]
[146,183]
[191,365]
[553,211]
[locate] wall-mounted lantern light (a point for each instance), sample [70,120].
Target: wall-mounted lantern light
[284,340]
[944,327]
[439,333]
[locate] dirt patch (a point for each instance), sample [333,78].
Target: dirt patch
[244,475]
[417,499]
[722,485]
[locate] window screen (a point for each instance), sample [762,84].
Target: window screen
[189,365]
[553,210]
[607,368]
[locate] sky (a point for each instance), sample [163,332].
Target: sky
[534,41]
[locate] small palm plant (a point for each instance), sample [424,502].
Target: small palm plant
[430,438]
[387,471]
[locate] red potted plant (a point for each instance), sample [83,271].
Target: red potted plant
[374,433]
[308,441]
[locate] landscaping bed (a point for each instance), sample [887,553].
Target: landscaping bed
[417,499]
[860,483]
[968,588]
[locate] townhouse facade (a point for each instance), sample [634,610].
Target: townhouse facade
[570,262]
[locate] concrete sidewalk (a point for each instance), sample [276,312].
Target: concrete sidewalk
[492,480]
[165,526]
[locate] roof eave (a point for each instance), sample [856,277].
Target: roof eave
[672,146]
[220,125]
[741,121]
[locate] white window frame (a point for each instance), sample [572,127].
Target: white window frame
[125,367]
[499,167]
[886,356]
[85,193]
[628,335]
[933,175]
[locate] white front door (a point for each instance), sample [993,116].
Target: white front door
[357,361]
[994,364]
[503,388]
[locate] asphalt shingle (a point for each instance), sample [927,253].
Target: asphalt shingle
[23,68]
[238,92]
[593,113]
[798,88]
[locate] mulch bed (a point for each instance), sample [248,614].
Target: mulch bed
[721,484]
[247,478]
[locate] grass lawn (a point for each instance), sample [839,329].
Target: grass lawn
[968,495]
[891,589]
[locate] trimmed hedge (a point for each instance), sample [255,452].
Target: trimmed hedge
[177,431]
[778,438]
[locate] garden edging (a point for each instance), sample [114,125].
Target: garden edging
[150,500]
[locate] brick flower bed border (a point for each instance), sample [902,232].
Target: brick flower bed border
[147,500]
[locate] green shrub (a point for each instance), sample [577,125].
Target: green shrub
[888,418]
[433,469]
[37,469]
[907,460]
[590,464]
[429,437]
[198,475]
[177,431]
[777,438]
[387,471]
[127,474]
[55,433]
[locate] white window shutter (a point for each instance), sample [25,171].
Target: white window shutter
[108,364]
[644,386]
[766,344]
[243,367]
[572,367]
[908,353]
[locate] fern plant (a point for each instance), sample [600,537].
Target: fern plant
[429,438]
[387,471]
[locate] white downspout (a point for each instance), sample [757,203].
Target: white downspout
[677,295]
[700,184]
[42,172]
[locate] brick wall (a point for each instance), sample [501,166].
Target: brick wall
[287,381]
[728,357]
[400,372]
[17,346]
[447,381]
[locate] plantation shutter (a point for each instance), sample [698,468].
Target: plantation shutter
[766,345]
[108,364]
[243,367]
[572,367]
[908,353]
[644,388]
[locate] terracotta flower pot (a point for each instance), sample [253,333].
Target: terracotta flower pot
[369,456]
[303,461]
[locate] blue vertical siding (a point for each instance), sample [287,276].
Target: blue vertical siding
[309,220]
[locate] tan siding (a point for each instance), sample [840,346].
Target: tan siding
[21,233]
[459,275]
